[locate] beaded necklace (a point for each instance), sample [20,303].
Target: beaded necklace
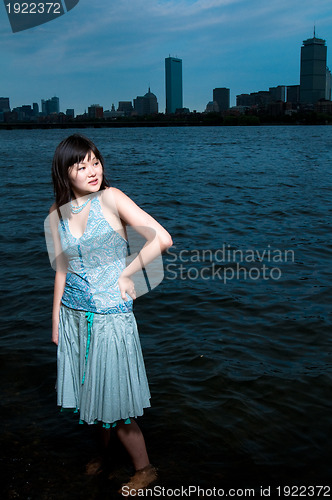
[76,209]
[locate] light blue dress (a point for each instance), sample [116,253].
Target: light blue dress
[101,372]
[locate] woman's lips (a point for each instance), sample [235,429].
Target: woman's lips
[95,181]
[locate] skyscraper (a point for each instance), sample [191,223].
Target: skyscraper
[35,108]
[50,106]
[313,70]
[293,93]
[4,104]
[174,93]
[221,97]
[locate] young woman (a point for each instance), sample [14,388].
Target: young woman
[101,371]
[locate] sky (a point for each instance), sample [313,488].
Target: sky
[106,51]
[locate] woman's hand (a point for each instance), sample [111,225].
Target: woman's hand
[126,285]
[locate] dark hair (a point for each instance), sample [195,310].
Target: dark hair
[70,151]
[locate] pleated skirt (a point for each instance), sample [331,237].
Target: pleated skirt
[100,366]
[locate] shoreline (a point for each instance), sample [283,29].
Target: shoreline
[147,124]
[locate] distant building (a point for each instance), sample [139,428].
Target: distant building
[146,105]
[151,103]
[22,113]
[262,98]
[54,105]
[276,108]
[278,93]
[183,111]
[222,97]
[27,110]
[259,99]
[112,113]
[35,108]
[139,105]
[173,80]
[4,104]
[293,94]
[328,85]
[70,112]
[126,108]
[50,106]
[313,70]
[212,107]
[323,106]
[245,100]
[95,111]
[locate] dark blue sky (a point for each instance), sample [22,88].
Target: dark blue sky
[105,51]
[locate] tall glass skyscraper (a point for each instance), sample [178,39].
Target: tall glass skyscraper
[313,70]
[174,93]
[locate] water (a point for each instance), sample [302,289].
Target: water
[239,362]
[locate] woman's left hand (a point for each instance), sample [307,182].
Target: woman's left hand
[126,285]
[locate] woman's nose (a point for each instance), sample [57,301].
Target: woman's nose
[91,170]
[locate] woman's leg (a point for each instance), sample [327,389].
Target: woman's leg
[96,464]
[132,439]
[104,437]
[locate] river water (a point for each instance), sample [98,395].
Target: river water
[236,338]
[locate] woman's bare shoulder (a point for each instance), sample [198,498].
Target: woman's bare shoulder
[112,191]
[112,196]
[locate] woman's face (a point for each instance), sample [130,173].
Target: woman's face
[86,177]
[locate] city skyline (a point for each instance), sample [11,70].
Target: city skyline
[315,84]
[103,54]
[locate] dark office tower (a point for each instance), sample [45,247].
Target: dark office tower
[35,108]
[4,104]
[293,93]
[53,105]
[313,70]
[174,95]
[221,97]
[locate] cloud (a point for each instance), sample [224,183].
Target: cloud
[107,29]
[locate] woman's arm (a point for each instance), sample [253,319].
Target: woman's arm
[158,239]
[60,272]
[59,286]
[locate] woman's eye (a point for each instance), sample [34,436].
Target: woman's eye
[96,163]
[81,168]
